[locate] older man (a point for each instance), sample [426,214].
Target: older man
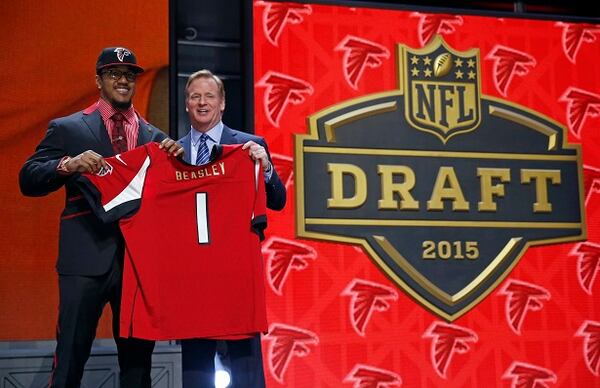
[205,104]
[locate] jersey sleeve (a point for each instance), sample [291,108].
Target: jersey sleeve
[259,214]
[115,192]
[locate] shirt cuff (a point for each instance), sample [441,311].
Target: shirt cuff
[269,172]
[61,167]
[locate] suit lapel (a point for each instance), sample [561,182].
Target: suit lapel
[94,123]
[186,143]
[228,136]
[144,133]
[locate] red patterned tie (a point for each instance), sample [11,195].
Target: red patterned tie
[119,139]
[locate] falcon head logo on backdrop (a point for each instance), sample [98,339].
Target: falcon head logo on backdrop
[588,264]
[580,105]
[287,342]
[509,62]
[525,375]
[432,24]
[522,297]
[122,53]
[453,189]
[366,376]
[283,256]
[574,34]
[447,340]
[590,331]
[277,15]
[591,181]
[284,165]
[282,90]
[359,54]
[367,297]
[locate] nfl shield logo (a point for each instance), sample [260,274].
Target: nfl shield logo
[442,88]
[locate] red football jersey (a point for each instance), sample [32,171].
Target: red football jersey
[193,264]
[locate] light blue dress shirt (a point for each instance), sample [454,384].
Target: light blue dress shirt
[214,137]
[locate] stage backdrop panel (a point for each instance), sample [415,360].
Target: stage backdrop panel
[47,70]
[341,313]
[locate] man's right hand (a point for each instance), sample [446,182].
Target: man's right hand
[87,161]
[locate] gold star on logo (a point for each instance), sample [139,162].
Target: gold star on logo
[414,60]
[415,72]
[427,61]
[427,72]
[471,62]
[471,74]
[458,62]
[459,74]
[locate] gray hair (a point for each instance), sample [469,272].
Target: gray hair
[204,73]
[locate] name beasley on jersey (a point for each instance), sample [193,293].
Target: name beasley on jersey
[204,172]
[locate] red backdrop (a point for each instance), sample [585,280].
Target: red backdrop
[556,343]
[47,70]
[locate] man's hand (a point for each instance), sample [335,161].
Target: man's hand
[87,161]
[258,152]
[172,147]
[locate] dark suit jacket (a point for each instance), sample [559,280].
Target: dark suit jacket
[86,245]
[276,194]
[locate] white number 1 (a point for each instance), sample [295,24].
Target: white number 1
[202,218]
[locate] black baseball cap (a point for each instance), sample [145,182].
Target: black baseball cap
[117,56]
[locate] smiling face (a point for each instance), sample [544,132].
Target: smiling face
[204,103]
[117,92]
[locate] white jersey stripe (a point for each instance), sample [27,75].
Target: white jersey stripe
[133,190]
[257,168]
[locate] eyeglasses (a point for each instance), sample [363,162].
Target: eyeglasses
[116,75]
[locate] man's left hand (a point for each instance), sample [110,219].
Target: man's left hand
[258,152]
[172,147]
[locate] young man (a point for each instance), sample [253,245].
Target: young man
[90,257]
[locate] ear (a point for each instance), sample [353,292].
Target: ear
[98,81]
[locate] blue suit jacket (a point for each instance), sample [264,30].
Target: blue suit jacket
[276,193]
[86,245]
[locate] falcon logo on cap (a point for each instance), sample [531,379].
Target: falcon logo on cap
[122,53]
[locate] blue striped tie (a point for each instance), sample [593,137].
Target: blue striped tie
[203,153]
